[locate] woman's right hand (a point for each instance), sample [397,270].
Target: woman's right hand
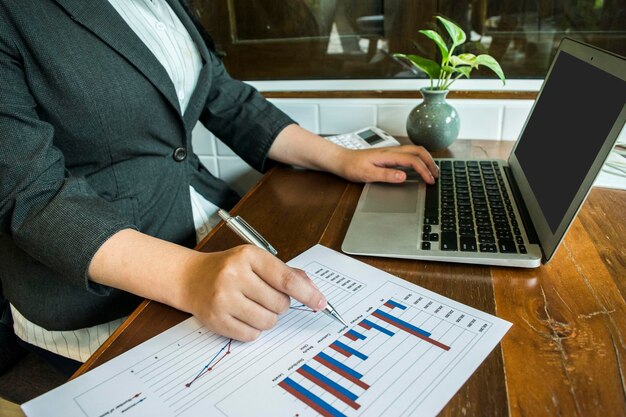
[237,293]
[240,292]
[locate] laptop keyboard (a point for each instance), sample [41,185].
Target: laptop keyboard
[469,210]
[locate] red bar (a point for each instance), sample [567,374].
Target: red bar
[414,333]
[365,326]
[391,306]
[340,350]
[340,371]
[351,336]
[304,399]
[328,388]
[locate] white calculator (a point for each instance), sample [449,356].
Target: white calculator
[370,137]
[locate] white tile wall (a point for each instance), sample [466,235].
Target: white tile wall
[339,117]
[307,115]
[211,164]
[203,141]
[392,117]
[223,150]
[515,116]
[480,119]
[237,173]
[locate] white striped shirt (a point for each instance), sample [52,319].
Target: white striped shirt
[156,24]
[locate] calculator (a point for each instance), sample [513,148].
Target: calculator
[370,137]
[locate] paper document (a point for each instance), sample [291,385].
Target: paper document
[406,352]
[613,173]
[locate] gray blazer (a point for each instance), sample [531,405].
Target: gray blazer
[92,141]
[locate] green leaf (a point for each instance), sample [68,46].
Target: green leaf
[431,34]
[463,59]
[447,69]
[431,68]
[456,33]
[490,62]
[465,71]
[469,58]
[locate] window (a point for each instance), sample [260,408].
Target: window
[341,39]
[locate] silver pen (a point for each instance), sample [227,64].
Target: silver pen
[247,233]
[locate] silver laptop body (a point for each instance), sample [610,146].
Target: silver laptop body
[563,145]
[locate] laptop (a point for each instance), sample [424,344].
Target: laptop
[514,212]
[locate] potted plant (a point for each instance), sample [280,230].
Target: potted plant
[433,123]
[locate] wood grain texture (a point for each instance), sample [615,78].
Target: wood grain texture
[603,218]
[566,352]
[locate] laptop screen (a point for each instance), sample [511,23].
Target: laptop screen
[566,130]
[572,128]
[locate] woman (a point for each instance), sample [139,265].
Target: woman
[100,191]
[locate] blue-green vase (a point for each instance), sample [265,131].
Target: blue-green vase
[433,124]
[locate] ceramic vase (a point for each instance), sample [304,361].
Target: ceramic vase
[433,124]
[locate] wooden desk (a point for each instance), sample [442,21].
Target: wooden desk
[566,352]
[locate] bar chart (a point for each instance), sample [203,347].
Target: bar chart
[336,377]
[406,351]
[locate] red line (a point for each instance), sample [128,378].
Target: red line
[328,388]
[218,361]
[391,306]
[341,372]
[351,336]
[340,350]
[365,326]
[304,399]
[414,333]
[209,369]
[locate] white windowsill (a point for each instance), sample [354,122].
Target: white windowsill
[393,85]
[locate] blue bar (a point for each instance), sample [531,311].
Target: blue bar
[379,328]
[330,382]
[349,349]
[393,303]
[317,400]
[403,323]
[356,334]
[340,365]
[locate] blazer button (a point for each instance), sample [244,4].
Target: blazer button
[180,154]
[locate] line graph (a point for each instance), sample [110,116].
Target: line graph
[184,372]
[405,352]
[209,366]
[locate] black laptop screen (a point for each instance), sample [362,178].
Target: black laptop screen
[568,126]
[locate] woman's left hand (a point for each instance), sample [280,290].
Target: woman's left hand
[297,146]
[381,164]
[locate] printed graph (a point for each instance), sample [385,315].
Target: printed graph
[198,364]
[405,352]
[213,362]
[336,382]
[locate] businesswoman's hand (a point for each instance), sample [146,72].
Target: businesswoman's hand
[380,164]
[297,146]
[237,293]
[240,292]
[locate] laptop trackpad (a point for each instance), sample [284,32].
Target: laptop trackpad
[391,198]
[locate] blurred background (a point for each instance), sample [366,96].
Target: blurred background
[355,39]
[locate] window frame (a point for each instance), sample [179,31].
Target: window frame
[384,85]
